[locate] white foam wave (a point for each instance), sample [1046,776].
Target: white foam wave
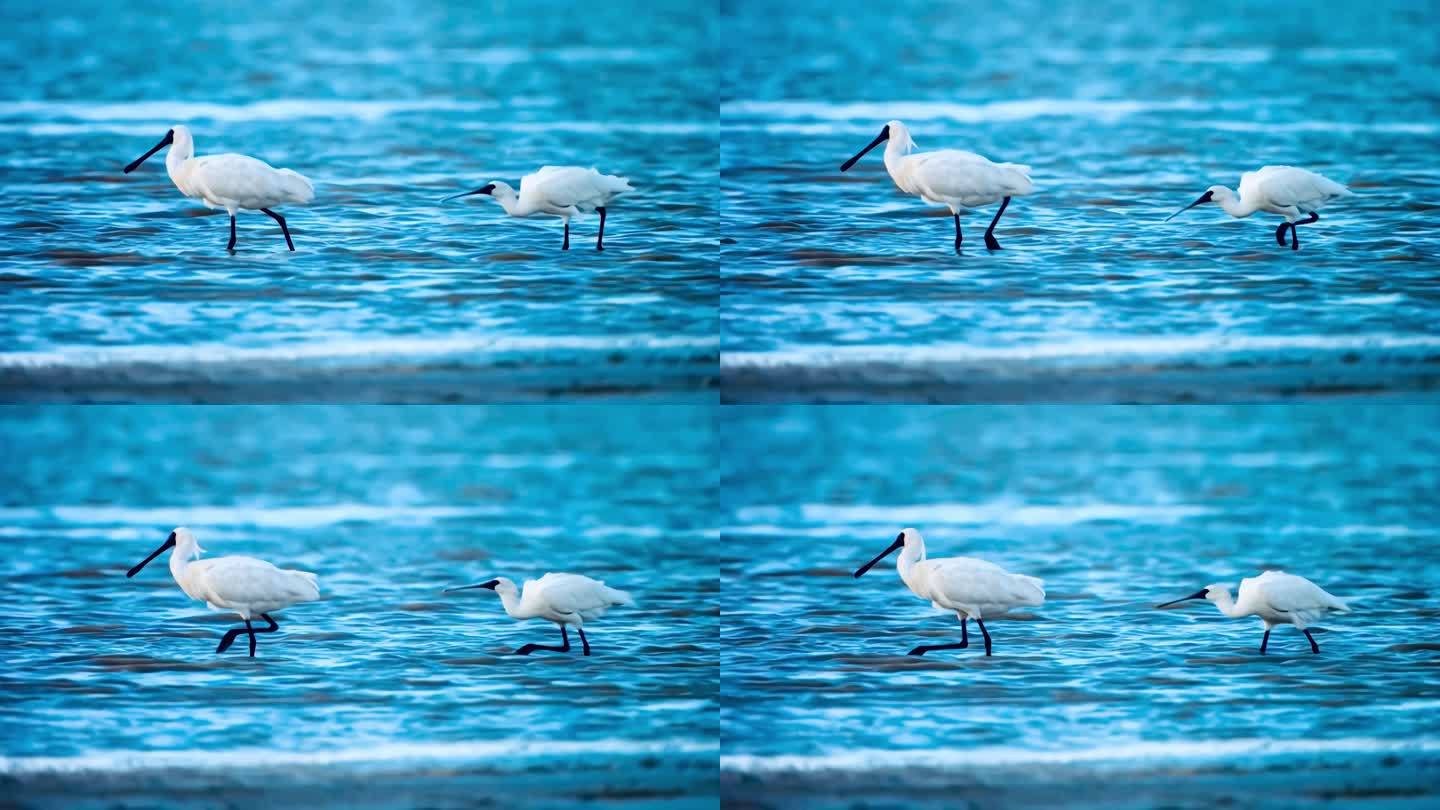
[280,517]
[468,346]
[173,112]
[972,514]
[1095,349]
[1128,755]
[378,754]
[1101,109]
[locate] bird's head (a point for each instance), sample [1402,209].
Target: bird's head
[181,539]
[1214,194]
[907,537]
[178,137]
[892,131]
[495,189]
[501,585]
[1215,592]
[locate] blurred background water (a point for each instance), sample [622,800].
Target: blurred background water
[1095,698]
[841,288]
[118,288]
[385,692]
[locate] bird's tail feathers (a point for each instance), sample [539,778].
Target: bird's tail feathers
[310,579]
[298,186]
[1036,586]
[618,596]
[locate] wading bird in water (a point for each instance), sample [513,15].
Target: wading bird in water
[244,585]
[229,181]
[1276,598]
[949,177]
[558,191]
[565,599]
[1285,190]
[971,588]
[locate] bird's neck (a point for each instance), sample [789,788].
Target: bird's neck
[177,166]
[910,557]
[1228,606]
[511,602]
[895,152]
[1236,206]
[512,206]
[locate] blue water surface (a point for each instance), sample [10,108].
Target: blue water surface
[1094,698]
[838,287]
[385,690]
[117,287]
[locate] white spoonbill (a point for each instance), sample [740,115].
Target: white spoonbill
[229,181]
[1277,598]
[1284,190]
[949,177]
[559,191]
[972,588]
[566,599]
[245,585]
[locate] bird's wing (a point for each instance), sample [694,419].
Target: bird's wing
[564,186]
[1292,594]
[573,593]
[248,581]
[951,173]
[250,182]
[1291,185]
[977,582]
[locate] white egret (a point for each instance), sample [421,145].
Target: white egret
[559,191]
[1285,190]
[245,585]
[565,599]
[1276,598]
[972,588]
[229,181]
[949,177]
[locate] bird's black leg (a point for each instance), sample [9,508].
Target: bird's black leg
[993,245]
[959,237]
[1264,640]
[977,618]
[1280,234]
[1295,232]
[583,641]
[233,633]
[599,245]
[566,246]
[283,229]
[231,247]
[529,648]
[964,642]
[1314,648]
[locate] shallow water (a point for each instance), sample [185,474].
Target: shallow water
[118,288]
[838,287]
[112,684]
[1117,509]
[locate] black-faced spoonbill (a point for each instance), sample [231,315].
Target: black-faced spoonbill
[245,585]
[972,588]
[1277,598]
[229,181]
[559,191]
[565,599]
[1284,190]
[949,177]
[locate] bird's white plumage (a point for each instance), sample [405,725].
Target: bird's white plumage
[1289,191]
[232,182]
[950,177]
[245,585]
[569,190]
[1280,598]
[964,585]
[569,599]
